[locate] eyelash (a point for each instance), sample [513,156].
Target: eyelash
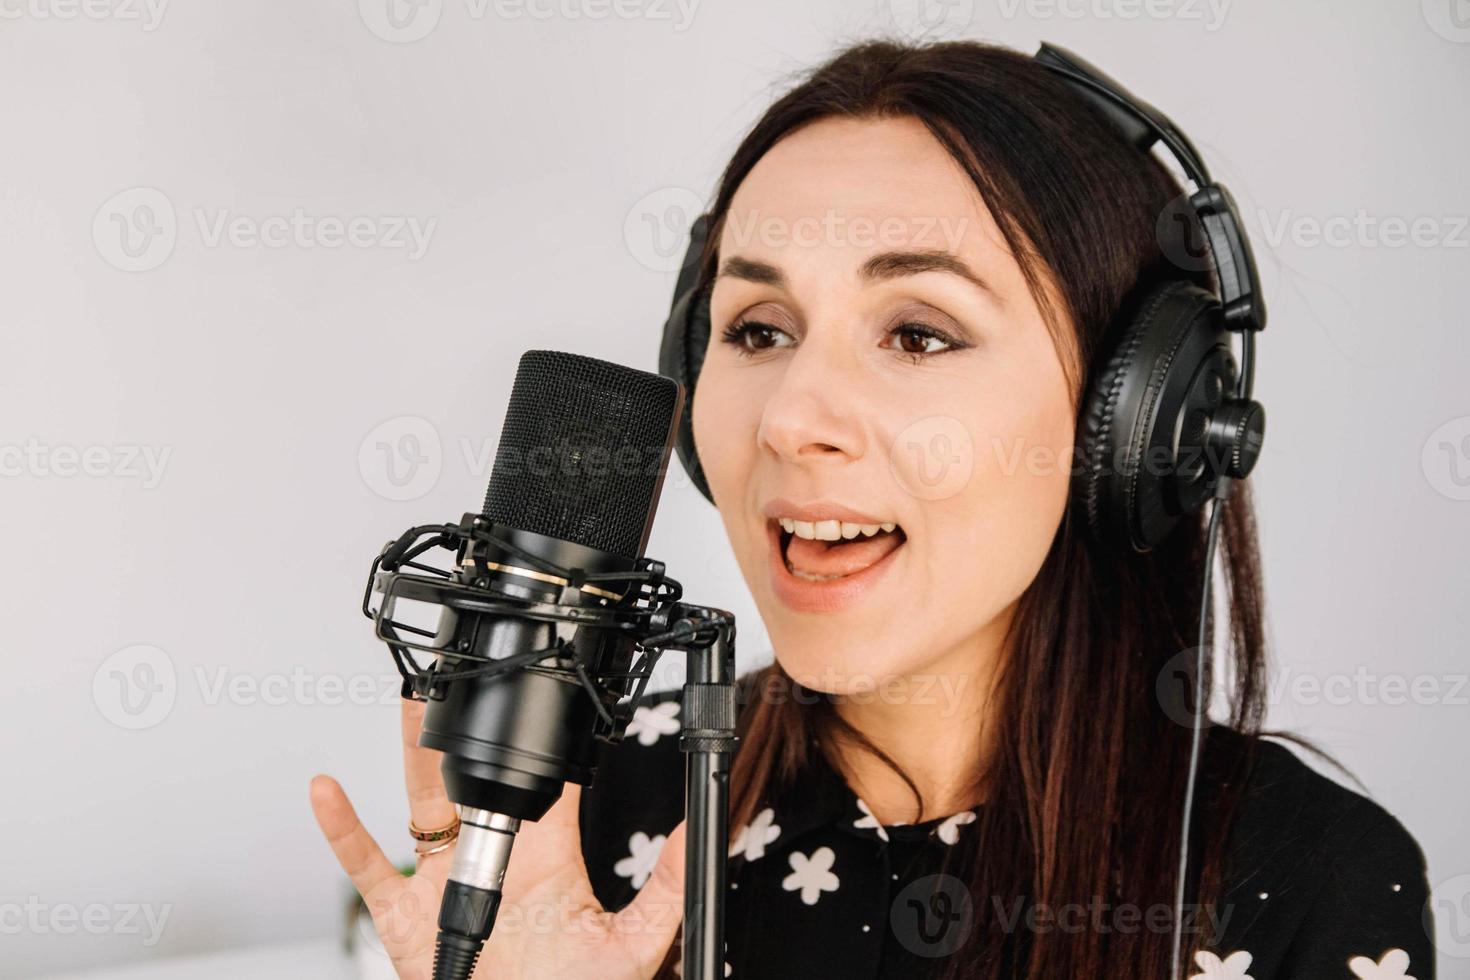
[737,332]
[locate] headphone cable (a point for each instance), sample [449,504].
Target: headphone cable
[1222,490]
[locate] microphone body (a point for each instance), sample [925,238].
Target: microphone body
[511,745]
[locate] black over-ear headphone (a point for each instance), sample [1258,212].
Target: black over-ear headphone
[1168,413]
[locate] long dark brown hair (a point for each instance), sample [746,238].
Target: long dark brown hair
[1083,786]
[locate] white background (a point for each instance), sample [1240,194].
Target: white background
[558,156]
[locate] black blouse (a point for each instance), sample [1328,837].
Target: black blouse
[1321,883]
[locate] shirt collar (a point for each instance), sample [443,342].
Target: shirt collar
[820,797]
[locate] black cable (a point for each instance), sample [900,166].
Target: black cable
[1196,739]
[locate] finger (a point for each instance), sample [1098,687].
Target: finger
[428,805]
[652,918]
[357,852]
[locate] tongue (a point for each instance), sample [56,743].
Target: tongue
[840,557]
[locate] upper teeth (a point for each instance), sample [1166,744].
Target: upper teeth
[832,530]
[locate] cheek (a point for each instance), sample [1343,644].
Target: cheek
[992,474]
[984,445]
[725,422]
[1024,459]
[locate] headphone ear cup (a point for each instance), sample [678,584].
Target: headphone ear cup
[681,351]
[1170,363]
[696,335]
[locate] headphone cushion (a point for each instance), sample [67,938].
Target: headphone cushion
[1121,415]
[685,339]
[681,355]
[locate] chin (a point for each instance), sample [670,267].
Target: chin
[836,658]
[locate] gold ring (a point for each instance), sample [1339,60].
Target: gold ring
[447,832]
[426,851]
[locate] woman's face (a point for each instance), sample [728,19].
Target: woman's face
[876,359]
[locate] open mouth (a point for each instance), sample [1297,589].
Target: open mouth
[825,551]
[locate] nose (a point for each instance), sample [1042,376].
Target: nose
[811,418]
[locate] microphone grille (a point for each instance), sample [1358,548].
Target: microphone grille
[583,451]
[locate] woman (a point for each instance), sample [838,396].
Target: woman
[966,760]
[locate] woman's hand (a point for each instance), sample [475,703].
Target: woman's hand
[550,926]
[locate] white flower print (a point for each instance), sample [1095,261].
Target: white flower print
[753,837]
[643,852]
[679,960]
[650,723]
[949,830]
[869,820]
[1390,967]
[811,875]
[1232,967]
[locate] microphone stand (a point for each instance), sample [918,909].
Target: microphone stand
[707,740]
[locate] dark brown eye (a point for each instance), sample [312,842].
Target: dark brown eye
[920,341]
[751,336]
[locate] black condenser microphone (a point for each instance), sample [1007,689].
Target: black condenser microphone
[542,613]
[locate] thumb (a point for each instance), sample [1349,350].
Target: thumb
[652,919]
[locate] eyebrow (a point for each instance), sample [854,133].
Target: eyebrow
[878,268]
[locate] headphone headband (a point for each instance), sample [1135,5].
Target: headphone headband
[1142,126]
[1139,123]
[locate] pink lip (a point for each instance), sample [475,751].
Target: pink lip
[819,510]
[822,597]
